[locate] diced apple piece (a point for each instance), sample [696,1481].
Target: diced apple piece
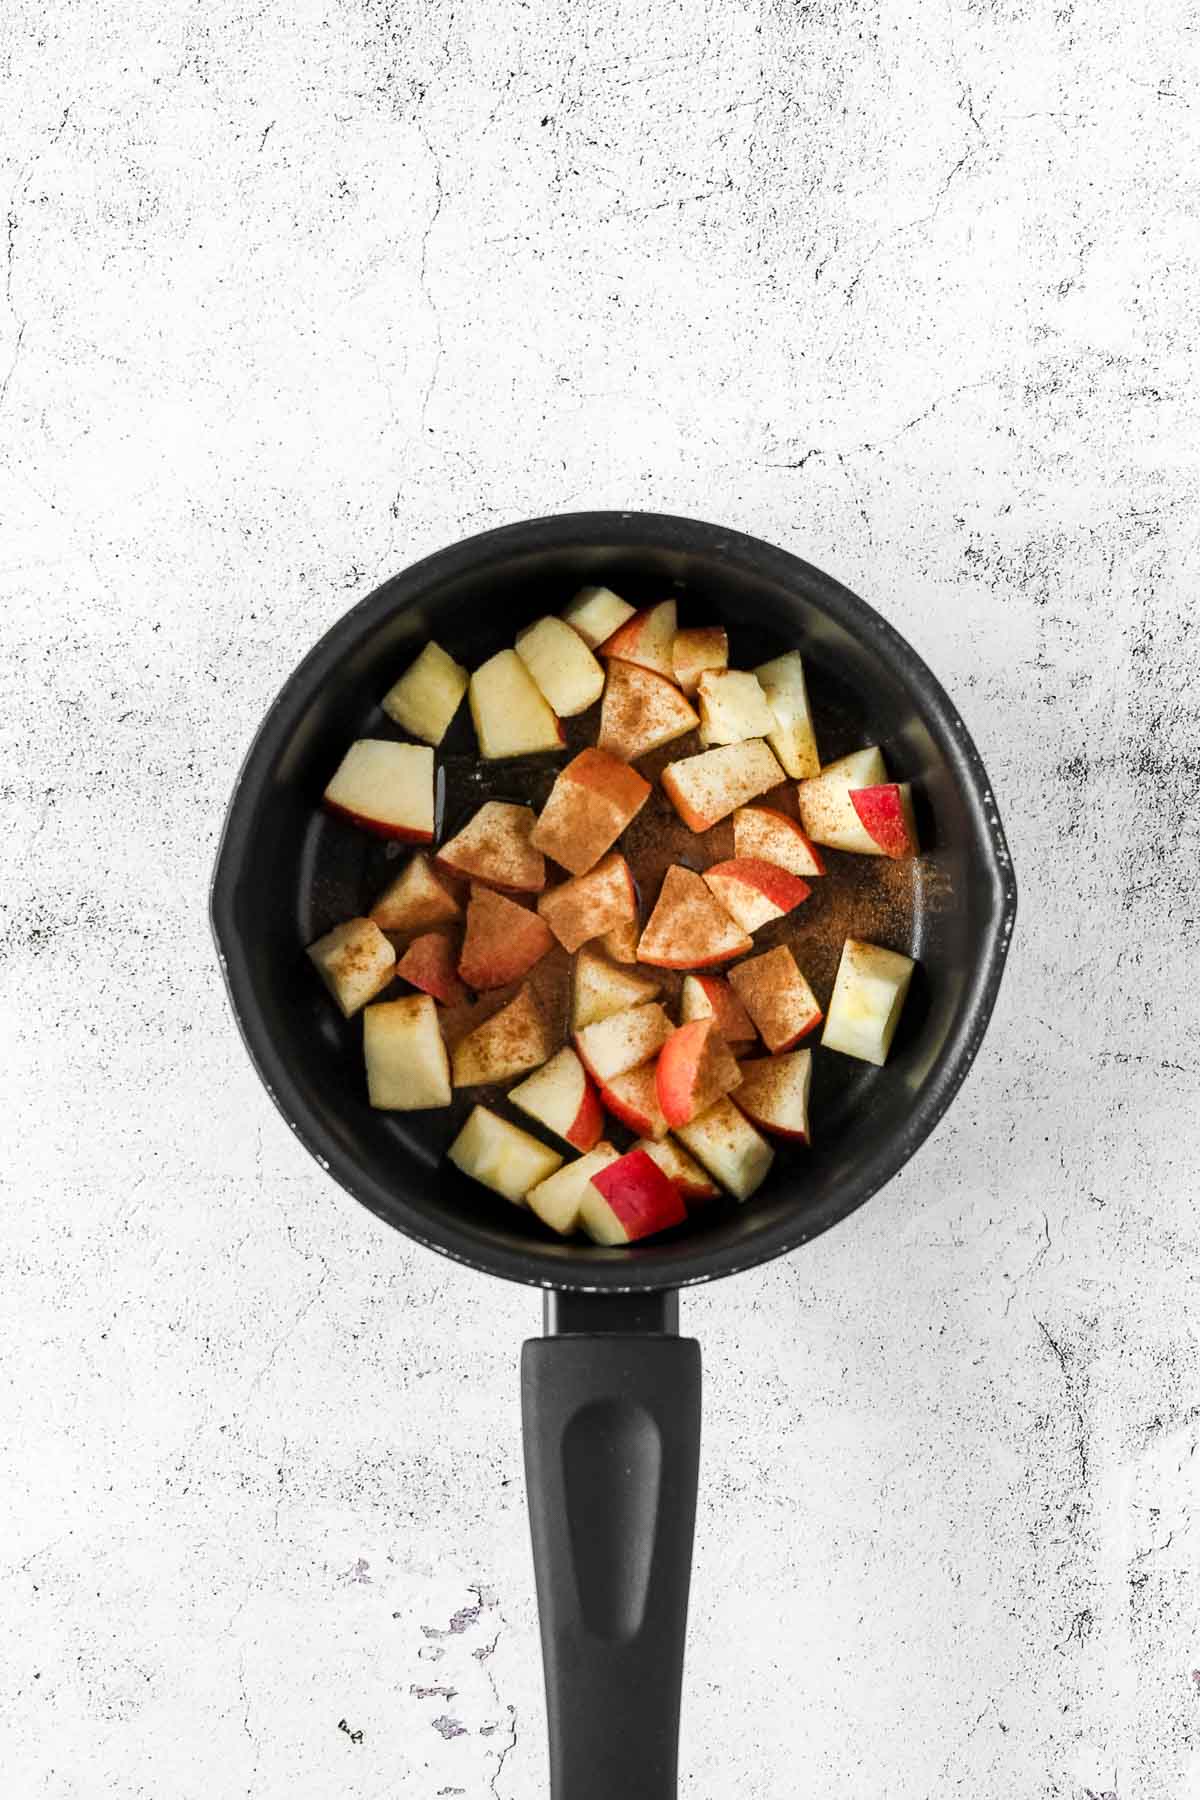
[355,961]
[560,1097]
[599,990]
[694,1185]
[777,997]
[630,1199]
[561,664]
[695,650]
[407,1066]
[427,695]
[633,1099]
[705,789]
[503,941]
[886,815]
[501,1156]
[868,997]
[711,997]
[556,1201]
[688,928]
[621,942]
[826,809]
[646,639]
[695,1068]
[792,740]
[595,613]
[753,891]
[386,788]
[762,831]
[431,964]
[733,1152]
[511,717]
[641,712]
[733,707]
[612,1046]
[774,1093]
[497,846]
[512,1041]
[592,801]
[591,904]
[415,899]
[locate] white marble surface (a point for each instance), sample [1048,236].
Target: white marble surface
[295,294]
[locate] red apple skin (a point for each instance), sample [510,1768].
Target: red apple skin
[430,964]
[779,1131]
[402,834]
[641,1197]
[881,814]
[781,889]
[733,1021]
[678,1066]
[707,962]
[644,1123]
[588,1124]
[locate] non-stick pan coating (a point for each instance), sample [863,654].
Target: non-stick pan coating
[287,872]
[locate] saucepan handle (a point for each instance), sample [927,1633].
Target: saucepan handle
[612,1450]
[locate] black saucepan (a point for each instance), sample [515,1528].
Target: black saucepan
[611,1393]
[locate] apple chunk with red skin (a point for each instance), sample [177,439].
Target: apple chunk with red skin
[630,1199]
[641,712]
[705,789]
[886,815]
[560,1097]
[503,941]
[407,1066]
[827,812]
[596,613]
[711,997]
[592,801]
[755,892]
[696,1187]
[688,928]
[774,1093]
[431,964]
[613,1046]
[386,788]
[726,1143]
[647,639]
[355,961]
[695,1068]
[415,899]
[428,694]
[510,714]
[556,1201]
[512,1041]
[502,1156]
[697,649]
[497,846]
[777,997]
[770,835]
[633,1099]
[868,997]
[598,989]
[591,904]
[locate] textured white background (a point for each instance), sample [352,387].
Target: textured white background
[293,294]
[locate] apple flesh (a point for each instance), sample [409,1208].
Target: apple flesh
[564,669]
[774,1093]
[695,1186]
[431,964]
[415,899]
[497,847]
[633,1099]
[755,892]
[591,904]
[502,1156]
[705,789]
[595,613]
[688,928]
[695,650]
[592,801]
[641,712]
[792,740]
[428,694]
[732,707]
[511,718]
[646,639]
[777,997]
[827,812]
[355,961]
[407,1066]
[886,815]
[630,1199]
[386,788]
[771,836]
[560,1097]
[617,1044]
[725,1142]
[503,941]
[621,943]
[598,990]
[868,997]
[694,1069]
[512,1041]
[556,1200]
[712,997]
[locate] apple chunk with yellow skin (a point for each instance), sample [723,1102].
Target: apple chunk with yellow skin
[712,997]
[697,649]
[510,715]
[755,892]
[431,964]
[705,789]
[592,801]
[826,810]
[647,639]
[512,1041]
[629,1200]
[407,1066]
[695,1068]
[595,613]
[886,815]
[590,904]
[732,707]
[561,664]
[355,961]
[793,739]
[415,899]
[777,997]
[501,1156]
[770,835]
[774,1093]
[598,990]
[641,712]
[695,1186]
[556,1201]
[496,846]
[428,694]
[615,1045]
[633,1099]
[868,997]
[503,941]
[386,788]
[688,928]
[725,1142]
[560,1097]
